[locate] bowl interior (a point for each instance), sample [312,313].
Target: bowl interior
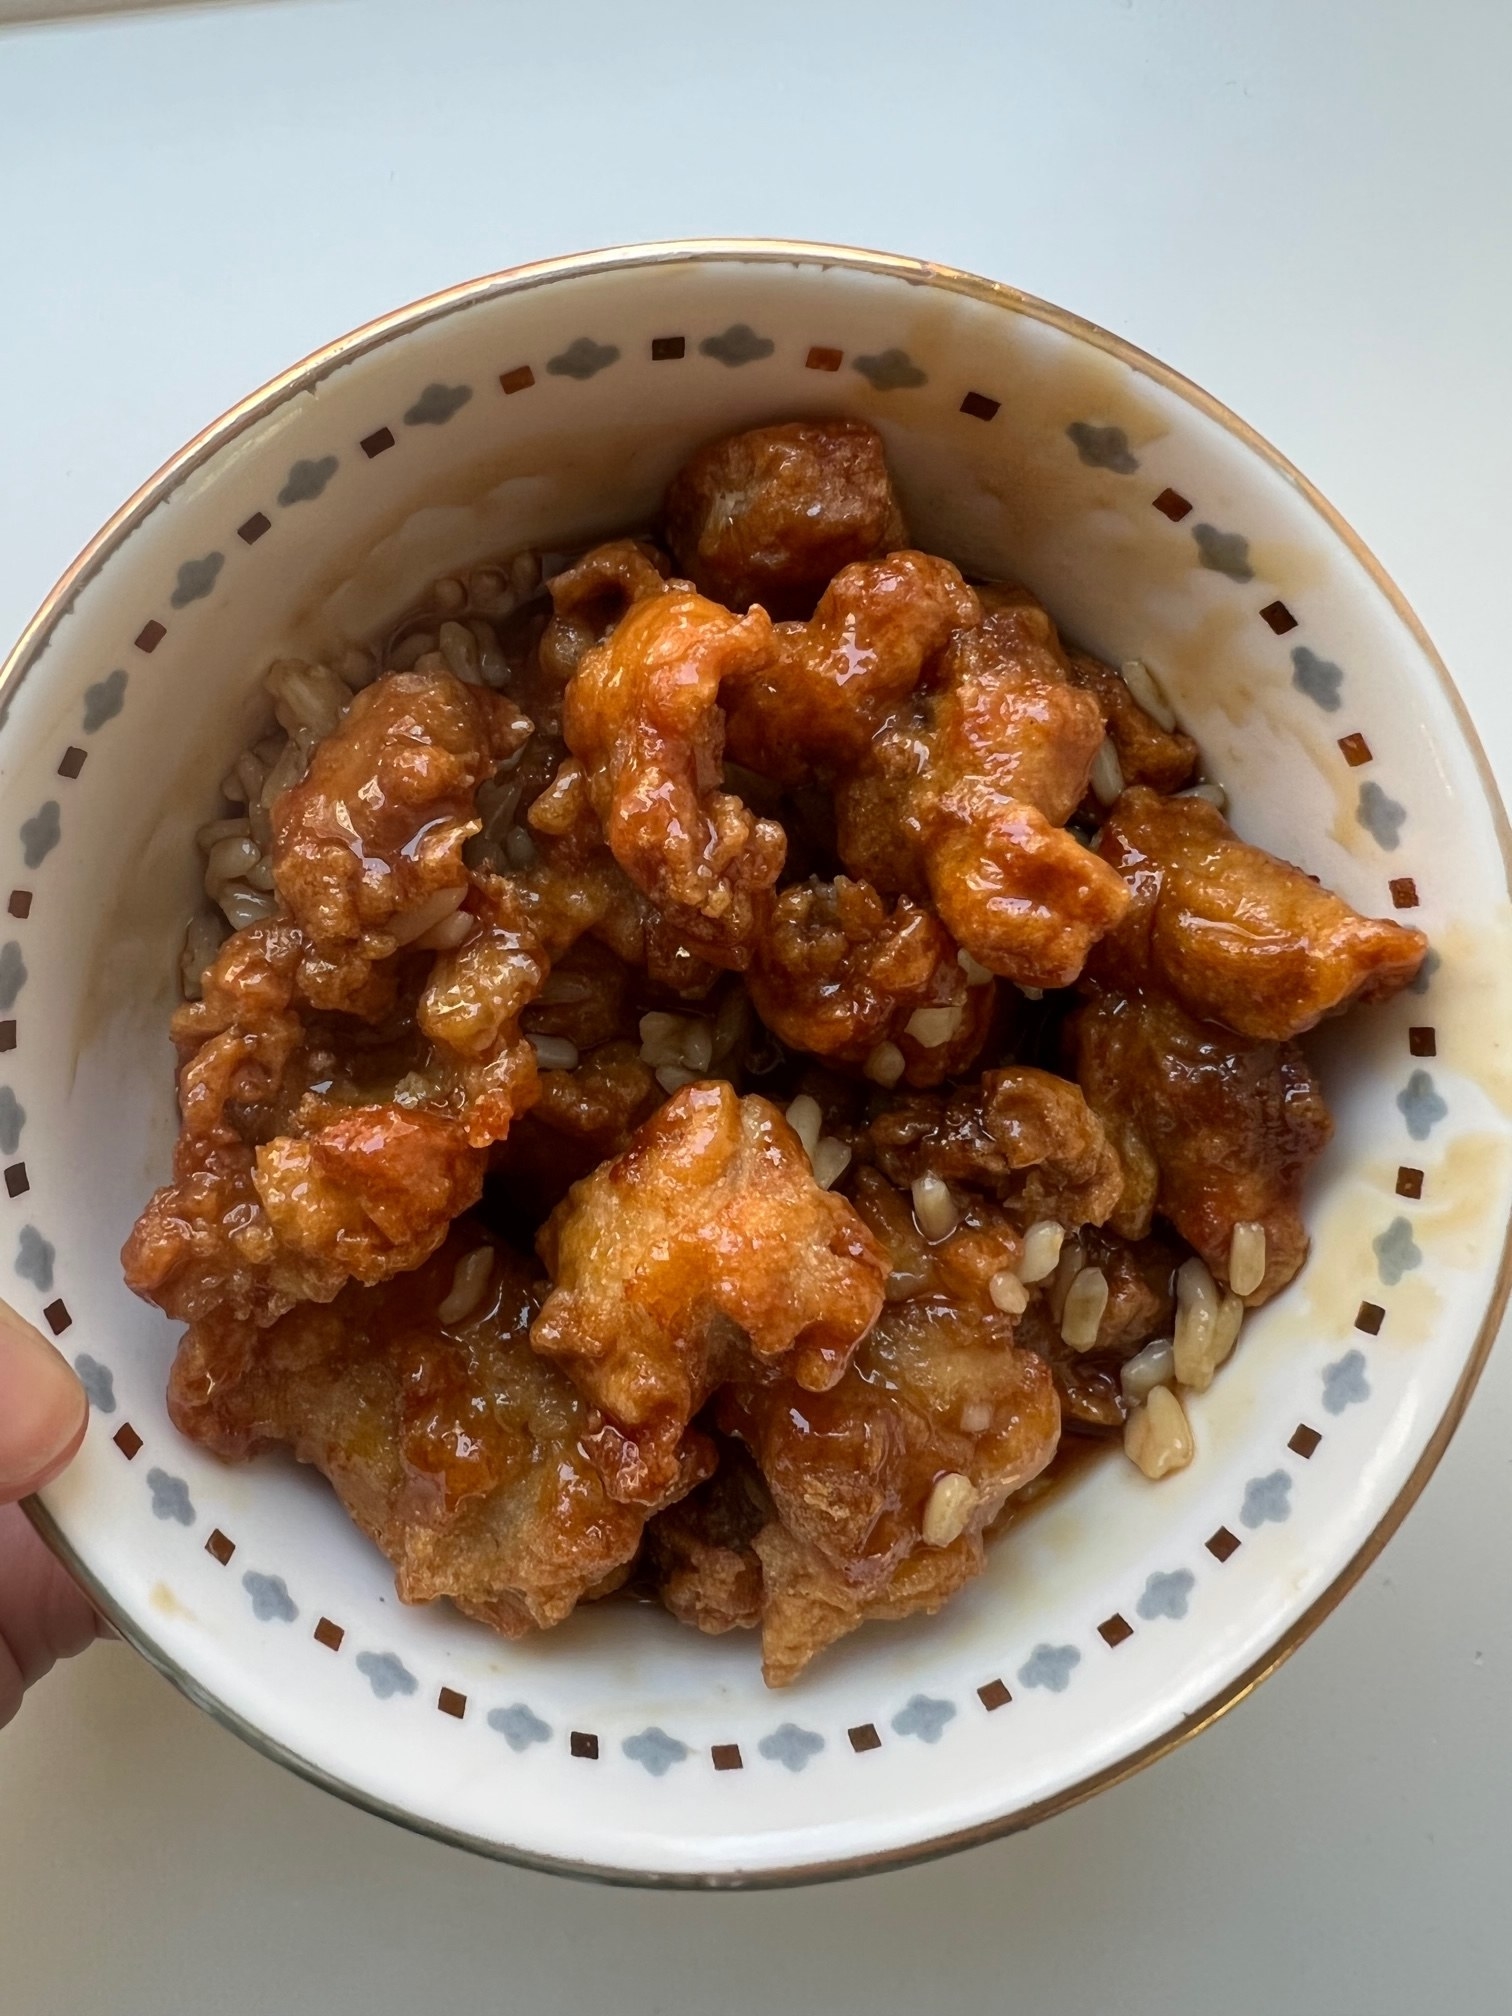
[539,409]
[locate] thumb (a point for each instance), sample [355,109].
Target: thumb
[42,1408]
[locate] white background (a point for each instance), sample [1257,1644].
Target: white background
[1304,204]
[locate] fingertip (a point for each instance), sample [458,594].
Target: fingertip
[43,1408]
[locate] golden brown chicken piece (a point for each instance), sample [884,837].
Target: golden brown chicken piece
[829,684]
[203,1243]
[367,849]
[1027,1137]
[1165,759]
[1213,1130]
[316,1148]
[703,1247]
[452,1445]
[642,715]
[966,792]
[370,1190]
[1234,934]
[912,1453]
[837,973]
[773,514]
[808,1604]
[607,579]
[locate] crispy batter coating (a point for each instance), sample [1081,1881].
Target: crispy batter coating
[369,844]
[370,1190]
[452,1445]
[1024,897]
[1165,759]
[773,514]
[642,714]
[608,579]
[1234,934]
[705,1246]
[203,1243]
[985,1242]
[967,792]
[808,1604]
[936,1390]
[580,1117]
[1212,1129]
[701,1551]
[837,972]
[1029,1138]
[829,684]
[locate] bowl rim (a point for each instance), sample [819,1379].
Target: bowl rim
[320,364]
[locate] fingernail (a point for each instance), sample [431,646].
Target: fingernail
[42,1407]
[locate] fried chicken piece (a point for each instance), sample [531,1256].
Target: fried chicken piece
[316,1149]
[580,1117]
[967,791]
[707,1244]
[1163,758]
[704,1564]
[470,1009]
[961,1266]
[367,848]
[203,1243]
[452,1445]
[1212,1129]
[642,715]
[369,1190]
[915,1450]
[607,580]
[1141,1306]
[586,1001]
[807,1604]
[773,514]
[830,683]
[1237,936]
[1025,1136]
[836,973]
[1022,896]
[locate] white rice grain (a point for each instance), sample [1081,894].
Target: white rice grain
[806,1119]
[934,1208]
[554,1053]
[469,1284]
[1149,692]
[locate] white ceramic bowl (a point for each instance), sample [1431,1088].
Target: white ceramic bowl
[547,404]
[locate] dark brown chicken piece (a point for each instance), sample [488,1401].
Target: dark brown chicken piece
[1165,759]
[701,1551]
[642,715]
[1141,1306]
[367,849]
[837,972]
[960,1266]
[452,1445]
[773,514]
[1025,1136]
[1212,1129]
[912,1453]
[1234,934]
[705,1247]
[580,1117]
[829,684]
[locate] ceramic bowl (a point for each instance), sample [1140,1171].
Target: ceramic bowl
[551,403]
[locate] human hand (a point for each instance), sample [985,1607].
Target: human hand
[43,1617]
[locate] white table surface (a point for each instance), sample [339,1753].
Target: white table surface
[1302,203]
